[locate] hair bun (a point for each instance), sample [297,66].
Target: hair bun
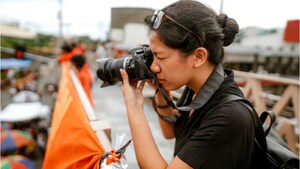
[222,19]
[229,28]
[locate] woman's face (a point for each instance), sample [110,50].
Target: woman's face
[171,69]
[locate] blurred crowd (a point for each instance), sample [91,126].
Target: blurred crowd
[27,138]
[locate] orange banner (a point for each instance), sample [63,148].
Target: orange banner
[72,143]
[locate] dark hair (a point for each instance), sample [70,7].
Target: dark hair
[78,60]
[66,48]
[214,31]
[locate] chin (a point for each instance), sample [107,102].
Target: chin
[171,87]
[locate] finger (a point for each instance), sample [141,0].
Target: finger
[124,77]
[141,85]
[151,84]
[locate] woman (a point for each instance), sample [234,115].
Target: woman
[187,40]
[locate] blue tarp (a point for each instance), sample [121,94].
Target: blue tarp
[11,63]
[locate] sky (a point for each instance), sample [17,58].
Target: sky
[92,17]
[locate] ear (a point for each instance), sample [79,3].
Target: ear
[200,56]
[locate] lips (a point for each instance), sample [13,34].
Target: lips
[160,80]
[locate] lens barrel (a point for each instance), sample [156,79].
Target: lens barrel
[109,70]
[137,66]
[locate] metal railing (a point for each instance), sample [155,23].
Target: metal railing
[281,95]
[35,57]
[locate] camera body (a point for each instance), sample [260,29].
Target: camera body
[137,66]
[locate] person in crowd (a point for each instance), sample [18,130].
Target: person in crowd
[78,48]
[66,53]
[187,41]
[79,62]
[101,51]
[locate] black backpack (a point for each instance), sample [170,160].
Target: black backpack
[270,150]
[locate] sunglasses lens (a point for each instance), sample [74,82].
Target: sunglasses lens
[157,18]
[156,23]
[154,16]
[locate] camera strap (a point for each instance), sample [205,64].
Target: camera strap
[205,93]
[213,82]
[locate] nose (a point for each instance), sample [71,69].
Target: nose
[155,67]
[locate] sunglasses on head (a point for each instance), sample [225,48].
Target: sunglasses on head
[156,20]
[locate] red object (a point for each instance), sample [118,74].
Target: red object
[19,54]
[20,51]
[113,157]
[291,33]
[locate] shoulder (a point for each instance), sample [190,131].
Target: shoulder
[226,127]
[231,108]
[232,115]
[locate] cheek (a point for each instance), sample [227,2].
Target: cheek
[178,68]
[174,82]
[177,75]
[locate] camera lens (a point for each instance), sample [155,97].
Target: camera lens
[137,66]
[109,70]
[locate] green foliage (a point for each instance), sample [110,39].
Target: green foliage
[40,41]
[43,44]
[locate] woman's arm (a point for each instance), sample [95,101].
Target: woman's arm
[147,153]
[166,127]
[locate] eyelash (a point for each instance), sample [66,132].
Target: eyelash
[155,55]
[159,58]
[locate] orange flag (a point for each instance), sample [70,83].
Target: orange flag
[72,143]
[86,79]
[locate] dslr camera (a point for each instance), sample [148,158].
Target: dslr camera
[137,65]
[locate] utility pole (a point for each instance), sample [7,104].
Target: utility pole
[60,29]
[221,7]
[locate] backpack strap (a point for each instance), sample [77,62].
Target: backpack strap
[260,137]
[263,118]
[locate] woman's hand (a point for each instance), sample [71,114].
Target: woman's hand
[151,84]
[132,93]
[154,86]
